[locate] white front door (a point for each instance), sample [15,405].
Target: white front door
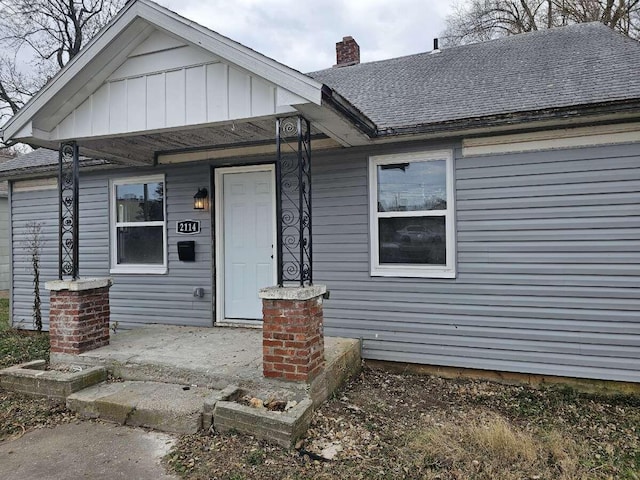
[247,225]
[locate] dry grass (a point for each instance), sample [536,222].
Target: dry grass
[17,346]
[19,413]
[484,445]
[4,314]
[407,427]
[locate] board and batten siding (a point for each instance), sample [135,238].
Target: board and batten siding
[135,299]
[548,247]
[4,243]
[166,83]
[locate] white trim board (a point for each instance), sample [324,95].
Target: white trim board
[11,267]
[171,158]
[552,139]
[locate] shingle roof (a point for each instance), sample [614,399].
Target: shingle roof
[580,64]
[40,160]
[561,67]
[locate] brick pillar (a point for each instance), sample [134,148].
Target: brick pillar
[79,315]
[292,336]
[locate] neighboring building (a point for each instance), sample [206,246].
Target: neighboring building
[4,232]
[474,207]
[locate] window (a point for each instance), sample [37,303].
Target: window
[412,220]
[138,225]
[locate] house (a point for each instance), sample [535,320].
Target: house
[474,207]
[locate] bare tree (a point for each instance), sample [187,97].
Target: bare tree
[38,37]
[621,15]
[480,20]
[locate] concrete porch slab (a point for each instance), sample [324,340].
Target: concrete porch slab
[181,379]
[160,406]
[210,357]
[32,378]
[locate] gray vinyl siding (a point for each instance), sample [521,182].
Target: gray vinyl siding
[4,243]
[548,281]
[547,262]
[135,299]
[41,207]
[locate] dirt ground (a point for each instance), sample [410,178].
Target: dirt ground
[392,426]
[396,426]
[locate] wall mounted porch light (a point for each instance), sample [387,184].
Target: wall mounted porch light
[200,199]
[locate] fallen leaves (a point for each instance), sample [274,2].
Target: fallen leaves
[366,431]
[20,413]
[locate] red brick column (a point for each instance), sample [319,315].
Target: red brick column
[292,335]
[79,315]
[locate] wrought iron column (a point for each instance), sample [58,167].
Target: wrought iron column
[293,201]
[68,192]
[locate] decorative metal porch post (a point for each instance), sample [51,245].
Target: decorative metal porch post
[292,314]
[293,201]
[79,310]
[68,188]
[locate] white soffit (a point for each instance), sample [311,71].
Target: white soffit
[152,69]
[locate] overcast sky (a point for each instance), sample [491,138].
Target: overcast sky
[302,33]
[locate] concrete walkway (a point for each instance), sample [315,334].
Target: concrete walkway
[87,450]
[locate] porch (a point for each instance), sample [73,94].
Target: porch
[213,358]
[186,379]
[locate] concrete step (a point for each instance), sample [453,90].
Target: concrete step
[160,406]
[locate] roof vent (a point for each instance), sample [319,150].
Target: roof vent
[435,46]
[347,52]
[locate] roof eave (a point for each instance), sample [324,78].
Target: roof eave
[516,120]
[350,112]
[47,171]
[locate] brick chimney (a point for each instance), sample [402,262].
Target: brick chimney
[347,52]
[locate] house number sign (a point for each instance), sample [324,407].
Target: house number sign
[188,227]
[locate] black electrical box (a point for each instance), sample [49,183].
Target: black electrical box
[187,251]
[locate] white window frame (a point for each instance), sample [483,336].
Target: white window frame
[114,224]
[408,270]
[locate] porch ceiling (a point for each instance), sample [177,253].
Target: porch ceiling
[145,148]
